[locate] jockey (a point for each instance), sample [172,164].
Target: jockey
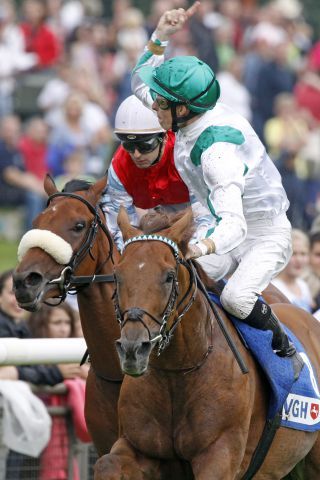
[222,161]
[142,172]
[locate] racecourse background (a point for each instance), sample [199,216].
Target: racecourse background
[65,67]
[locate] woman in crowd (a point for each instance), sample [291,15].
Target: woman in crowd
[60,322]
[290,280]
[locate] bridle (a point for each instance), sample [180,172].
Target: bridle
[136,314]
[67,281]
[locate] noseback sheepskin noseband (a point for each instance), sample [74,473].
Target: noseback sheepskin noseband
[53,244]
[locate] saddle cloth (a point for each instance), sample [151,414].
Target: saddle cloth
[299,401]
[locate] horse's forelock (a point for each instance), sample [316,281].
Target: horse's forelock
[76,185]
[156,221]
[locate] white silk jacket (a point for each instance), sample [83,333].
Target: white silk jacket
[224,164]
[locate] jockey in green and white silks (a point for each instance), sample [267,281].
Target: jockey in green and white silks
[224,164]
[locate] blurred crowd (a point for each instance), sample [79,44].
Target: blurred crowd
[63,321]
[65,67]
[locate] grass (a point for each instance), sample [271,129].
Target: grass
[8,254]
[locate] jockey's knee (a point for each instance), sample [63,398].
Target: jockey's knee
[237,302]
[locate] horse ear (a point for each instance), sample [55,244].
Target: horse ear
[127,230]
[97,188]
[49,185]
[181,231]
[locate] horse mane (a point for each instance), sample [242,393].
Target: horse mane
[157,220]
[76,185]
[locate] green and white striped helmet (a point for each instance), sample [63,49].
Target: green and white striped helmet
[185,80]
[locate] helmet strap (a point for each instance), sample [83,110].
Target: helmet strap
[173,108]
[161,147]
[177,121]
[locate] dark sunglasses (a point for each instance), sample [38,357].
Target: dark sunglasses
[143,146]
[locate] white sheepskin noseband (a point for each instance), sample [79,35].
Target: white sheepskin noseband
[48,241]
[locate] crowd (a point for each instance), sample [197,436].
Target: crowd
[60,322]
[80,57]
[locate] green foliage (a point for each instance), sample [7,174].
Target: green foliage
[8,255]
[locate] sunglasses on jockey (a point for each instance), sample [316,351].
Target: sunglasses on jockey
[142,144]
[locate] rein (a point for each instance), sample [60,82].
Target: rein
[164,337]
[67,280]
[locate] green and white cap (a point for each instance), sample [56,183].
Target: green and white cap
[185,80]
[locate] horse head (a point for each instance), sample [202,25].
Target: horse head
[62,243]
[150,286]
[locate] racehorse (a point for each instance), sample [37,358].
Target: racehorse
[74,222]
[191,401]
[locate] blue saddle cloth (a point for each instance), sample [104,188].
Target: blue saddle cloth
[300,400]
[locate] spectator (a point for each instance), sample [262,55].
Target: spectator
[59,322]
[13,325]
[271,74]
[17,187]
[203,38]
[13,60]
[54,93]
[73,167]
[296,190]
[290,280]
[33,147]
[39,38]
[288,130]
[82,125]
[312,276]
[307,89]
[233,92]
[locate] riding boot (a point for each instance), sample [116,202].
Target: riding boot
[264,318]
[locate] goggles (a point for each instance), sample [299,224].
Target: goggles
[162,102]
[143,146]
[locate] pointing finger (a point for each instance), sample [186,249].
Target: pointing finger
[192,10]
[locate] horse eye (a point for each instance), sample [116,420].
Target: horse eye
[79,226]
[170,277]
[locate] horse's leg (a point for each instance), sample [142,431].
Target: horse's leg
[101,412]
[312,463]
[124,463]
[221,460]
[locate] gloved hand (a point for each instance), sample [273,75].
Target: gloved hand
[193,252]
[204,247]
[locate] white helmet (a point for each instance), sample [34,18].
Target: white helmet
[134,118]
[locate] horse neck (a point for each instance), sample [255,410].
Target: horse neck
[98,320]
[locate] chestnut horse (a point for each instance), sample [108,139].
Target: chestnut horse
[74,222]
[77,221]
[191,402]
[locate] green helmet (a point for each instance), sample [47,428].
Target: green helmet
[183,80]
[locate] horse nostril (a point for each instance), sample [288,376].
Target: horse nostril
[144,348]
[33,279]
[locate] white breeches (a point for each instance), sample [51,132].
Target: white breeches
[251,266]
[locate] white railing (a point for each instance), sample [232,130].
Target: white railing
[16,351]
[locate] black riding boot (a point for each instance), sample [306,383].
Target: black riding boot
[262,317]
